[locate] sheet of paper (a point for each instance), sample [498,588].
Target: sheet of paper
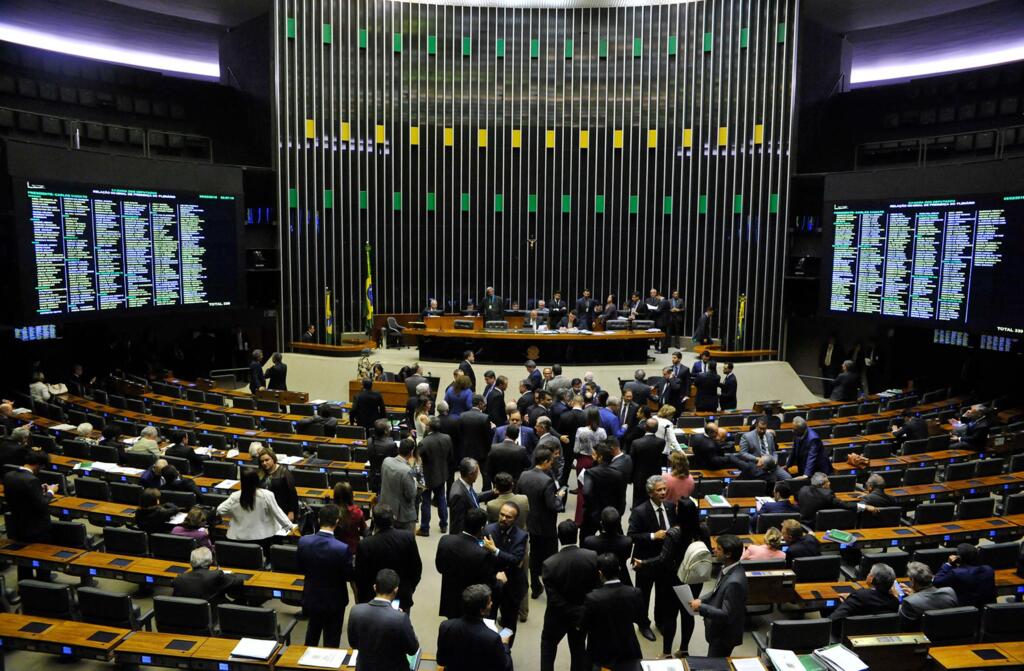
[318,401]
[746,664]
[232,453]
[491,624]
[128,441]
[288,459]
[225,484]
[177,519]
[841,658]
[204,451]
[254,648]
[352,658]
[784,660]
[323,658]
[20,411]
[63,427]
[685,596]
[663,665]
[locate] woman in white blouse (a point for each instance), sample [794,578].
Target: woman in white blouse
[38,390]
[255,515]
[667,428]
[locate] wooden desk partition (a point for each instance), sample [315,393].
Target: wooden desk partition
[395,393]
[906,652]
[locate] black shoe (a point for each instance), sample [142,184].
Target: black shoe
[536,592]
[648,634]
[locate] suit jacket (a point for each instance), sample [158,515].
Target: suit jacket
[493,507]
[707,392]
[256,377]
[643,521]
[326,565]
[467,370]
[698,368]
[204,583]
[865,602]
[536,379]
[511,553]
[845,387]
[568,577]
[641,392]
[675,389]
[466,644]
[585,311]
[603,486]
[914,428]
[707,453]
[12,452]
[809,455]
[568,422]
[724,607]
[527,437]
[914,605]
[879,499]
[648,454]
[475,434]
[379,450]
[728,396]
[811,499]
[367,408]
[195,462]
[461,499]
[412,381]
[556,310]
[494,308]
[609,613]
[389,548]
[974,585]
[462,562]
[702,334]
[495,409]
[382,635]
[524,402]
[28,507]
[807,546]
[277,377]
[438,459]
[507,457]
[398,489]
[623,463]
[619,545]
[539,487]
[975,435]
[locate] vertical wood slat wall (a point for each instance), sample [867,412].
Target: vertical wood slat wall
[534,149]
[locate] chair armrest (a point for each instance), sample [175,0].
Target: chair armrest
[94,542]
[146,620]
[285,633]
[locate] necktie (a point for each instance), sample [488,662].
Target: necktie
[472,496]
[623,419]
[661,519]
[487,392]
[764,446]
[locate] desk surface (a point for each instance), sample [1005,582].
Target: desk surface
[974,656]
[219,650]
[597,336]
[289,659]
[167,645]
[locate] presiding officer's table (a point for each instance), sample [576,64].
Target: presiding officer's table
[541,346]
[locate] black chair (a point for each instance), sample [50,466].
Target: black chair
[728,524]
[885,517]
[212,498]
[961,471]
[924,475]
[124,541]
[1014,504]
[180,463]
[824,432]
[136,405]
[307,478]
[126,493]
[940,442]
[842,483]
[932,513]
[44,443]
[278,425]
[100,396]
[986,467]
[73,535]
[800,636]
[999,555]
[304,409]
[240,555]
[284,558]
[288,447]
[847,410]
[893,478]
[877,426]
[705,487]
[243,403]
[268,405]
[825,568]
[215,418]
[973,509]
[951,626]
[112,609]
[896,559]
[394,333]
[869,625]
[819,413]
[729,421]
[877,450]
[360,481]
[178,615]
[840,453]
[350,431]
[241,421]
[47,599]
[224,470]
[746,488]
[76,449]
[141,460]
[196,395]
[918,446]
[214,398]
[215,440]
[846,431]
[333,452]
[92,488]
[183,500]
[105,453]
[249,622]
[685,422]
[764,565]
[933,558]
[360,454]
[1002,622]
[1017,463]
[164,411]
[835,518]
[171,547]
[868,408]
[766,520]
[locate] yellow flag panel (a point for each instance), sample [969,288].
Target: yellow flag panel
[517,138]
[449,137]
[652,138]
[687,138]
[617,140]
[310,128]
[346,131]
[481,137]
[723,136]
[758,133]
[584,139]
[414,135]
[549,139]
[380,134]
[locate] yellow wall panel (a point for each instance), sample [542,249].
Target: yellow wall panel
[758,133]
[481,137]
[549,139]
[617,139]
[652,138]
[584,139]
[346,131]
[449,137]
[687,137]
[517,138]
[380,135]
[414,135]
[310,128]
[723,136]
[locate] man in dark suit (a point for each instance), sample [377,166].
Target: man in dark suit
[819,496]
[707,383]
[609,613]
[546,501]
[702,333]
[28,505]
[541,408]
[462,498]
[914,428]
[383,635]
[326,565]
[368,406]
[658,309]
[466,643]
[641,390]
[525,400]
[436,455]
[507,542]
[12,451]
[182,450]
[602,486]
[798,542]
[467,368]
[494,398]
[475,433]
[204,583]
[277,375]
[973,582]
[846,384]
[556,310]
[808,453]
[971,431]
[257,380]
[508,456]
[723,608]
[527,436]
[727,398]
[388,548]
[648,525]
[702,363]
[648,454]
[534,378]
[414,378]
[830,360]
[585,310]
[674,388]
[708,453]
[876,496]
[494,307]
[874,601]
[381,446]
[569,575]
[462,560]
[568,423]
[623,463]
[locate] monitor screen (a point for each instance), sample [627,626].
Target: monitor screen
[107,248]
[949,263]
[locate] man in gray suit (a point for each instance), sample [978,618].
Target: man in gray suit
[382,634]
[922,595]
[558,382]
[398,485]
[758,446]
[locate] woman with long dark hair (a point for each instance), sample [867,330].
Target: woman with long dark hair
[352,522]
[686,529]
[280,481]
[255,515]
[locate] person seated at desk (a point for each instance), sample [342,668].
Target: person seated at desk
[175,483]
[431,309]
[309,335]
[912,427]
[194,526]
[973,582]
[770,549]
[921,596]
[781,504]
[877,600]
[970,432]
[112,437]
[154,475]
[147,442]
[83,432]
[819,496]
[151,516]
[875,492]
[799,543]
[203,582]
[569,322]
[183,450]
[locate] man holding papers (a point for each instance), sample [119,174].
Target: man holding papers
[723,607]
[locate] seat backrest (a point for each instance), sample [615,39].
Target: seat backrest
[196,395]
[876,426]
[212,498]
[885,517]
[930,513]
[160,410]
[973,509]
[105,453]
[171,547]
[746,488]
[925,475]
[1016,463]
[824,432]
[243,403]
[728,524]
[896,559]
[842,452]
[77,449]
[278,425]
[817,569]
[999,555]
[213,398]
[284,558]
[215,418]
[180,463]
[846,430]
[847,410]
[690,422]
[1002,622]
[869,625]
[917,446]
[124,541]
[183,500]
[106,607]
[766,520]
[69,534]
[225,470]
[877,450]
[763,565]
[304,409]
[125,492]
[268,405]
[730,420]
[46,599]
[360,481]
[835,518]
[136,405]
[246,621]
[92,488]
[289,447]
[178,615]
[217,441]
[992,466]
[933,558]
[869,408]
[842,483]
[333,452]
[1014,504]
[892,478]
[800,636]
[951,626]
[308,478]
[937,443]
[141,460]
[240,555]
[241,421]
[707,486]
[961,471]
[350,431]
[819,413]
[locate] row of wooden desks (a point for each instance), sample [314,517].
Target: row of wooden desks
[883,464]
[979,656]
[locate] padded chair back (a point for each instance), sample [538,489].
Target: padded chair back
[746,488]
[763,565]
[869,408]
[933,558]
[885,517]
[1017,463]
[360,481]
[183,500]
[728,524]
[869,625]
[877,426]
[819,413]
[940,442]
[240,555]
[164,411]
[77,449]
[333,452]
[918,446]
[730,420]
[304,409]
[224,470]
[214,398]
[800,636]
[106,453]
[288,447]
[196,395]
[92,488]
[46,599]
[69,534]
[817,569]
[1014,504]
[951,626]
[308,478]
[283,558]
[136,405]
[842,483]
[987,467]
[961,471]
[893,478]
[835,518]
[125,492]
[243,403]
[246,621]
[877,450]
[690,422]
[171,547]
[215,440]
[848,410]
[178,615]
[896,559]
[924,475]
[973,509]
[107,608]
[124,541]
[1002,622]
[360,454]
[842,452]
[824,432]
[774,520]
[932,513]
[278,425]
[212,498]
[707,486]
[241,421]
[267,405]
[999,555]
[141,460]
[846,430]
[215,418]
[350,431]
[180,463]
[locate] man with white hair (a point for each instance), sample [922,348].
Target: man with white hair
[819,496]
[83,432]
[875,601]
[923,596]
[971,430]
[147,442]
[205,583]
[808,454]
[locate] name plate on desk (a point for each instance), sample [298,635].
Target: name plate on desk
[889,639]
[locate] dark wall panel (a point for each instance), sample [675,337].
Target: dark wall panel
[626,147]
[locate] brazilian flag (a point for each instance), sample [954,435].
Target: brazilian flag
[369,291]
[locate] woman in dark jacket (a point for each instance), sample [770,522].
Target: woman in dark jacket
[151,516]
[687,529]
[280,482]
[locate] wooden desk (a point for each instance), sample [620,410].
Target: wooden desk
[153,649]
[214,654]
[60,637]
[97,512]
[395,394]
[747,504]
[38,555]
[273,585]
[959,531]
[347,348]
[1009,583]
[103,565]
[289,659]
[905,652]
[974,656]
[735,355]
[543,347]
[769,587]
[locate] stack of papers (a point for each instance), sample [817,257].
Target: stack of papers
[318,401]
[839,658]
[288,459]
[177,519]
[106,467]
[784,660]
[203,451]
[747,664]
[232,453]
[663,665]
[20,411]
[717,501]
[226,484]
[323,658]
[761,500]
[129,441]
[63,427]
[254,648]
